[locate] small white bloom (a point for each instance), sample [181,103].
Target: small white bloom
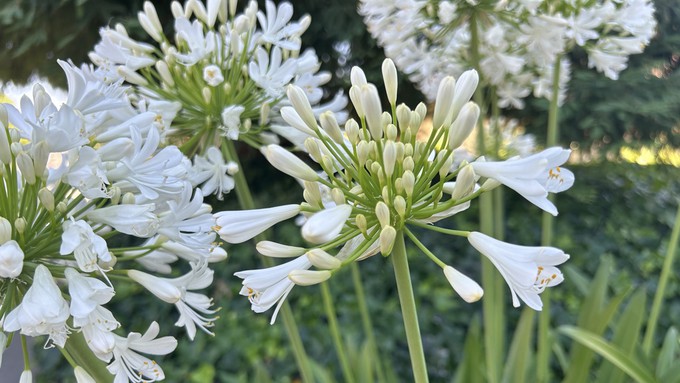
[42,311]
[199,45]
[467,288]
[212,173]
[277,28]
[212,74]
[86,293]
[533,177]
[231,120]
[272,75]
[11,259]
[266,287]
[527,270]
[87,247]
[241,225]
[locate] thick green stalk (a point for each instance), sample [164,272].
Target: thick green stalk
[80,353]
[494,330]
[335,333]
[366,319]
[547,230]
[663,281]
[408,309]
[246,201]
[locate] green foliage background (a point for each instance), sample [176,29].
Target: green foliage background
[614,210]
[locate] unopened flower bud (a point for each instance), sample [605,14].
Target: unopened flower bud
[446,166]
[465,182]
[312,147]
[399,185]
[322,260]
[421,110]
[288,163]
[308,277]
[360,221]
[128,199]
[5,230]
[5,154]
[465,88]
[338,196]
[164,72]
[46,199]
[326,224]
[25,164]
[363,151]
[15,136]
[299,100]
[389,72]
[463,125]
[206,94]
[148,26]
[226,88]
[41,154]
[331,127]
[382,212]
[265,109]
[20,225]
[403,116]
[400,205]
[443,101]
[352,131]
[115,195]
[312,194]
[389,158]
[62,207]
[217,254]
[373,110]
[468,289]
[357,76]
[391,132]
[490,184]
[277,250]
[4,117]
[16,147]
[409,181]
[387,236]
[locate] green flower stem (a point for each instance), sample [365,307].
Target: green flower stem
[246,201]
[76,347]
[335,333]
[459,233]
[661,289]
[366,319]
[424,249]
[24,349]
[494,326]
[547,230]
[408,309]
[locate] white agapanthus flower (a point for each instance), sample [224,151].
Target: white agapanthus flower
[379,180]
[75,181]
[243,62]
[514,43]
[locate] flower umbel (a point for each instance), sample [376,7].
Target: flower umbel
[378,181]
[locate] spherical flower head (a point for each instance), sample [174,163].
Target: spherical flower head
[79,180]
[227,71]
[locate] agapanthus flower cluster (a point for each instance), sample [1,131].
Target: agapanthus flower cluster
[88,201]
[381,182]
[224,73]
[518,42]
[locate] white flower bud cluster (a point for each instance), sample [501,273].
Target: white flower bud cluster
[378,179]
[73,184]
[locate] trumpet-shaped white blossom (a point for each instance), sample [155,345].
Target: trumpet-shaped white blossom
[527,270]
[11,259]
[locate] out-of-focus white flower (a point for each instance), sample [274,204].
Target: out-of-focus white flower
[137,220]
[88,248]
[527,270]
[231,120]
[326,224]
[213,174]
[212,74]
